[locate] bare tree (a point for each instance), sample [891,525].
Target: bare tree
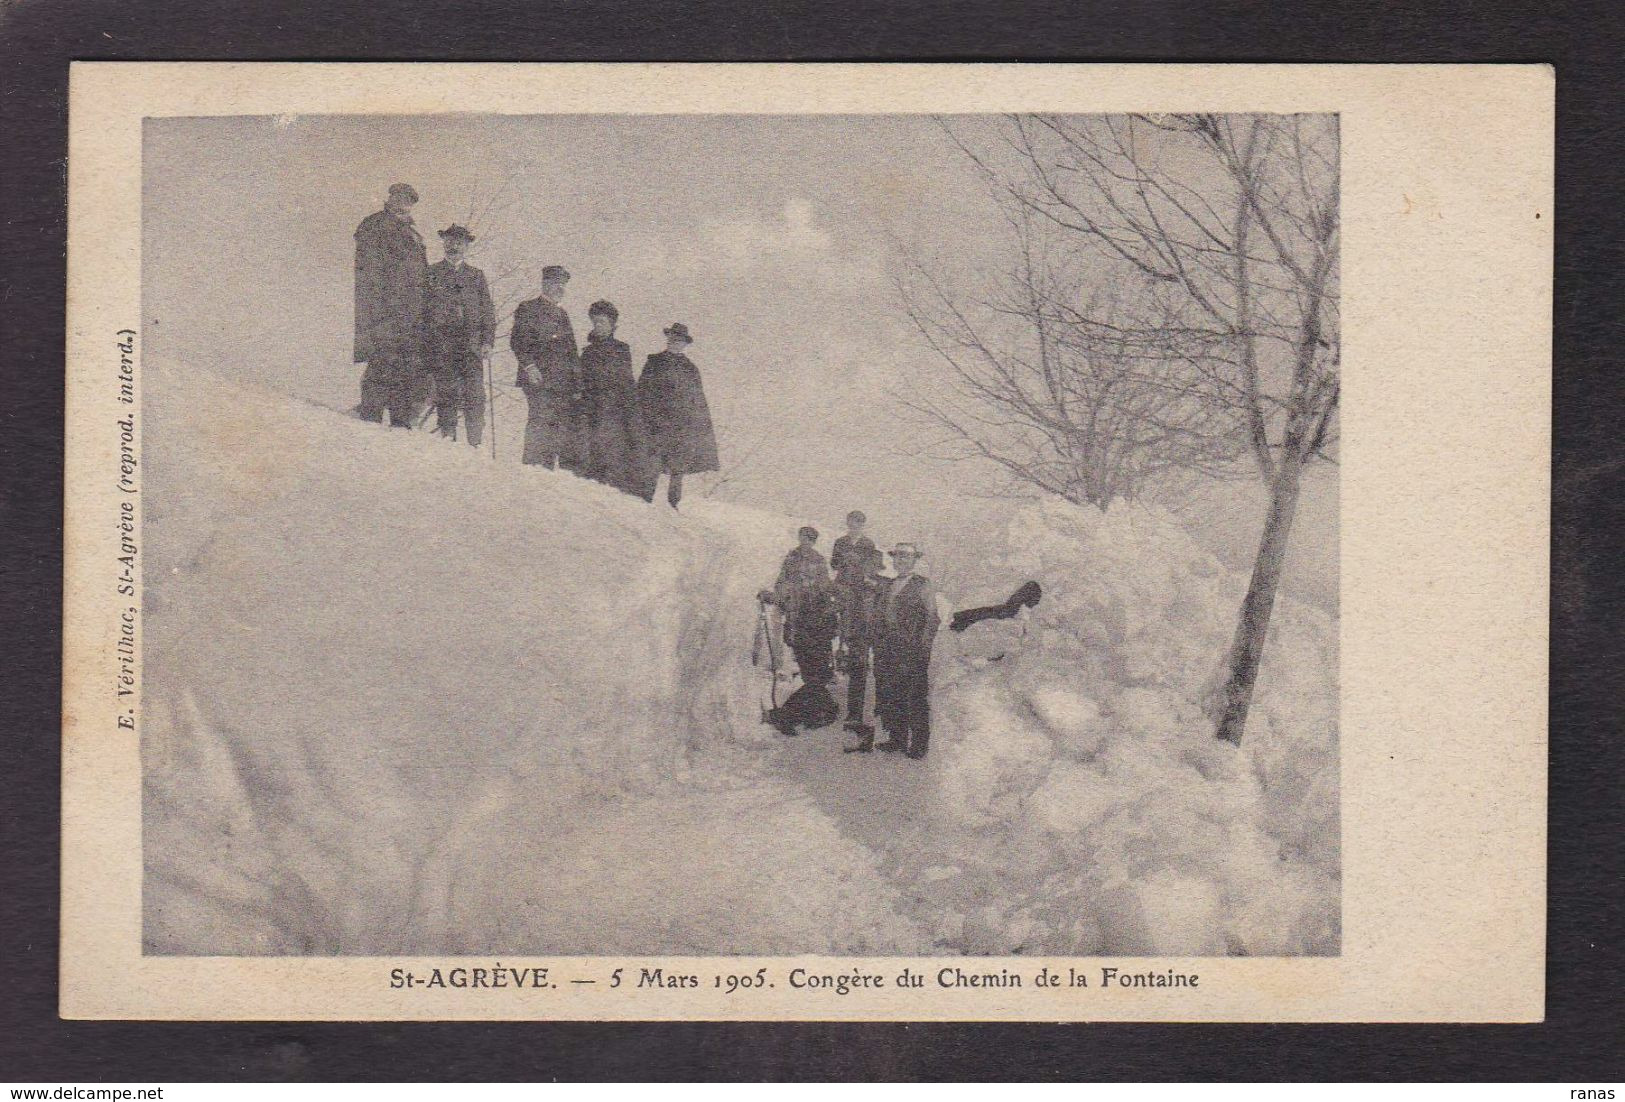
[1091,412]
[725,485]
[1234,221]
[511,273]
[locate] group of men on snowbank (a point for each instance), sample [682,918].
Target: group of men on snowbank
[426,331]
[886,623]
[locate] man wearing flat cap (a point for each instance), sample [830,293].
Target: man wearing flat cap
[544,343]
[676,418]
[459,327]
[391,266]
[905,626]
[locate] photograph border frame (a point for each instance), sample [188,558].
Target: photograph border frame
[1579,1008]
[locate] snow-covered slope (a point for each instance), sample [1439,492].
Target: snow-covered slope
[400,698]
[1083,770]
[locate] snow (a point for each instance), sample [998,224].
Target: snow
[391,687]
[402,699]
[1157,838]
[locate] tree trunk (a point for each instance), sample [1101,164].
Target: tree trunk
[1247,649]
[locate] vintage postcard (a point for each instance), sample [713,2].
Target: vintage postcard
[827,542]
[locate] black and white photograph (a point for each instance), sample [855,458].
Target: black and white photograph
[783,543]
[626,545]
[858,535]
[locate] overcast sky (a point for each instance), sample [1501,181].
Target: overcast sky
[772,238]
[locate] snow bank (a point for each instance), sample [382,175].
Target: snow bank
[1110,819]
[401,699]
[387,681]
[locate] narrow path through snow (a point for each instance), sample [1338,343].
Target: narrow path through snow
[523,720]
[732,856]
[874,798]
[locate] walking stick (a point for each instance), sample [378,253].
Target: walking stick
[431,403]
[764,640]
[491,405]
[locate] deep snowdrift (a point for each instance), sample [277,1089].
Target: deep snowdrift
[401,699]
[1082,770]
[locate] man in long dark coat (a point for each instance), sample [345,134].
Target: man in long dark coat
[614,431]
[459,329]
[857,564]
[905,623]
[544,342]
[853,561]
[676,418]
[390,268]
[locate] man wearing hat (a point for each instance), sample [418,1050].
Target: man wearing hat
[676,418]
[857,563]
[459,328]
[905,626]
[544,342]
[391,266]
[803,570]
[807,600]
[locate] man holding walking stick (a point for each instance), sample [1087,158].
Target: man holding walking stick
[459,330]
[491,403]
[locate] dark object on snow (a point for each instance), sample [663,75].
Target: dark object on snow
[391,266]
[810,706]
[614,430]
[676,421]
[544,343]
[1027,596]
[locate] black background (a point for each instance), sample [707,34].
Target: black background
[1580,1041]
